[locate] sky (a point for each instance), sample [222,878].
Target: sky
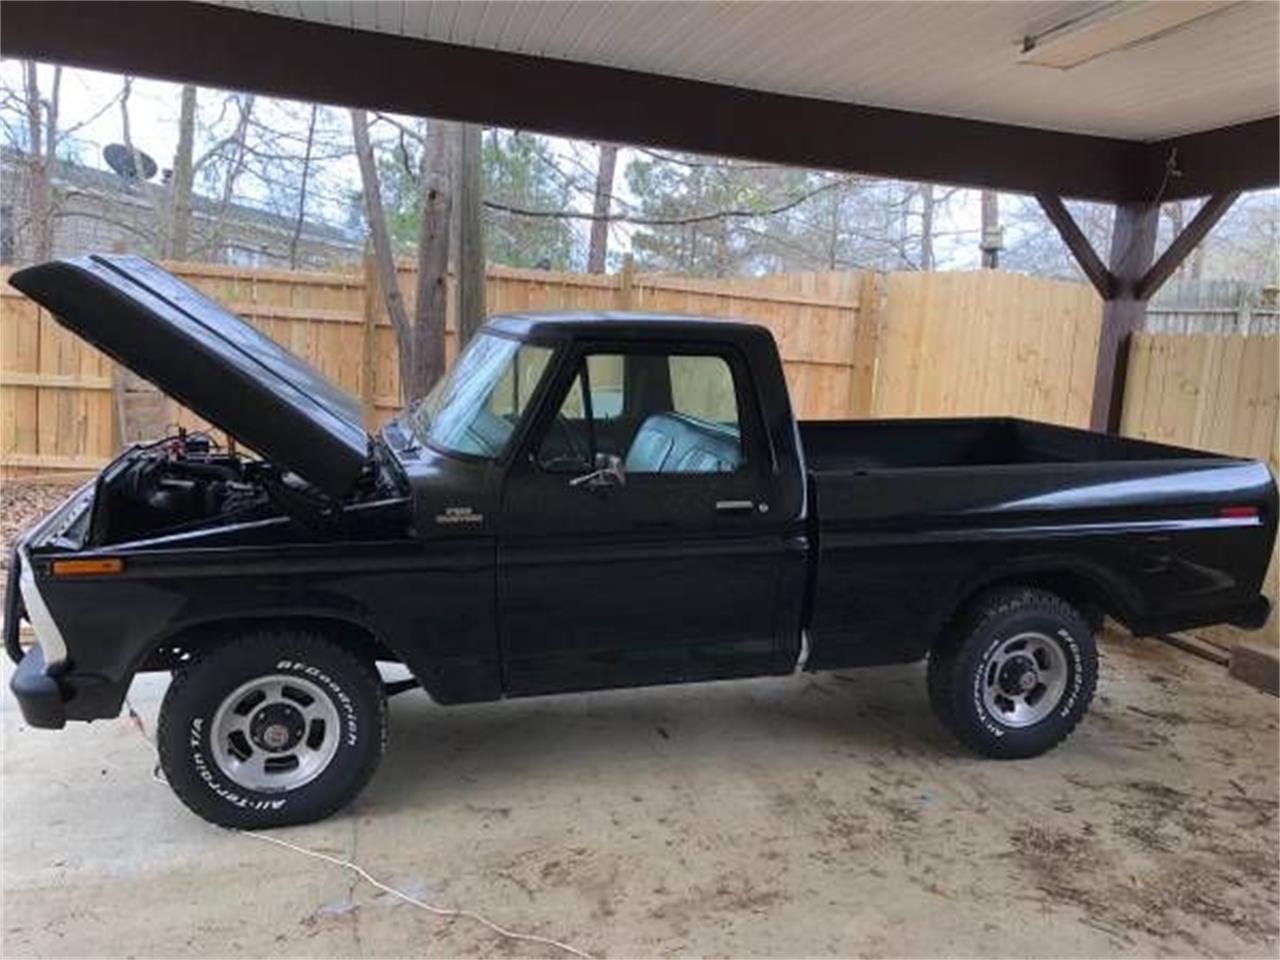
[153,118]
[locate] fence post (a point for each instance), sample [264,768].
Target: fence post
[626,283]
[369,343]
[866,343]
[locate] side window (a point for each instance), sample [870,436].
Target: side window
[660,413]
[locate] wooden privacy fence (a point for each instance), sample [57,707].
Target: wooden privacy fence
[984,343]
[56,403]
[826,324]
[1213,392]
[64,406]
[853,344]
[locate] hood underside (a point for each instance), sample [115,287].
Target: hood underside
[209,360]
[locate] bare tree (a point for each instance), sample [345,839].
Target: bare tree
[1176,214]
[832,237]
[1197,261]
[433,258]
[178,232]
[302,188]
[135,155]
[42,140]
[384,257]
[32,123]
[599,248]
[137,172]
[420,341]
[1031,244]
[926,226]
[235,167]
[469,223]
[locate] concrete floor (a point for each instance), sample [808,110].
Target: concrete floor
[805,816]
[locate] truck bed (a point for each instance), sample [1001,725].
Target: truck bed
[860,445]
[911,515]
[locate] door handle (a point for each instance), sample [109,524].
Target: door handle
[734,506]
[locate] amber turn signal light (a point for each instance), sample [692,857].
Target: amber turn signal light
[96,566]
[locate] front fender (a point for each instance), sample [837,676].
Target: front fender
[431,608]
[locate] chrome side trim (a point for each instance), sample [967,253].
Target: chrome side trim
[47,633]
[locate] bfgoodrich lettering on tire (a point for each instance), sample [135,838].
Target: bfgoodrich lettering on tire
[1015,674]
[272,728]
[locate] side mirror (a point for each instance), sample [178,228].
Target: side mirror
[608,473]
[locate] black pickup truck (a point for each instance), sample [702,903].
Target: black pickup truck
[585,501]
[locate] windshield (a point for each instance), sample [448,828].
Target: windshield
[474,409]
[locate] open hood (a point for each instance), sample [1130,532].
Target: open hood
[209,360]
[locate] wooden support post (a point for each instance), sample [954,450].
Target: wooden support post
[1133,244]
[626,283]
[369,343]
[1128,282]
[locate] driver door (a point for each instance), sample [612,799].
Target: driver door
[665,571]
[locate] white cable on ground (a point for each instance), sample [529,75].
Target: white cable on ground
[136,719]
[420,904]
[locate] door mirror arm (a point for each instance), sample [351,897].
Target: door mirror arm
[609,472]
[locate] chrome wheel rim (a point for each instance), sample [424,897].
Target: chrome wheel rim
[275,733]
[1024,679]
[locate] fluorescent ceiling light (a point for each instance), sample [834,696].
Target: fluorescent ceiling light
[1112,27]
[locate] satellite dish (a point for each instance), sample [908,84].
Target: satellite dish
[121,160]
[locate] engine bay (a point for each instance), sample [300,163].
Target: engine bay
[174,484]
[187,482]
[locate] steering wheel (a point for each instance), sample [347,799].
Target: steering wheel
[571,452]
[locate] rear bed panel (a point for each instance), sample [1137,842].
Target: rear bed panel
[901,548]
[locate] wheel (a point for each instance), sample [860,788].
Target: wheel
[1016,675]
[272,728]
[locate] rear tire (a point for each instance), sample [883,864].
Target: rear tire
[272,728]
[1016,674]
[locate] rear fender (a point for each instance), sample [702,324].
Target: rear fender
[1076,580]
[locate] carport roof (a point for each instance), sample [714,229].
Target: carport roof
[930,91]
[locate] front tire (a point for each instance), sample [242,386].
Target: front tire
[1016,675]
[273,728]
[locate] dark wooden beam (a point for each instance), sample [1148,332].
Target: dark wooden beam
[1127,283]
[1133,244]
[1245,156]
[1078,244]
[1186,241]
[234,48]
